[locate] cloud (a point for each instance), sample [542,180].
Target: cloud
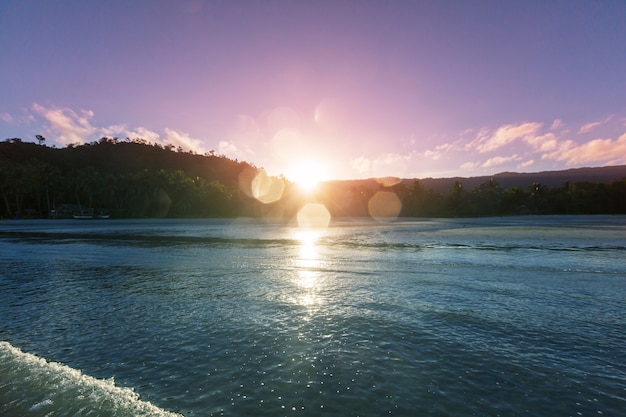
[66,125]
[183,140]
[505,135]
[534,142]
[234,150]
[227,148]
[69,127]
[606,151]
[169,137]
[434,155]
[113,130]
[526,164]
[499,160]
[588,127]
[542,143]
[362,164]
[143,133]
[470,165]
[382,165]
[556,124]
[245,135]
[447,147]
[6,117]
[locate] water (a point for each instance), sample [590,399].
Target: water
[507,316]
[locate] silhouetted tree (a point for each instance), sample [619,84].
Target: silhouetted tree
[456,200]
[134,178]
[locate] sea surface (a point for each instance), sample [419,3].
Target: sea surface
[513,316]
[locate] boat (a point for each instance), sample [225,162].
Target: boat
[90,215]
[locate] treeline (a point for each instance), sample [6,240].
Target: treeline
[490,199]
[131,178]
[134,178]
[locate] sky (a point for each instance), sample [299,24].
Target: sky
[329,89]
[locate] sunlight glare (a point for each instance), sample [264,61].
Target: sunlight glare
[307,174]
[308,264]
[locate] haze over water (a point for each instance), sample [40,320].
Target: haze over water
[503,316]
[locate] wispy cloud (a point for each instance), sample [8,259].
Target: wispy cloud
[65,124]
[183,140]
[526,163]
[6,117]
[505,135]
[143,133]
[500,160]
[434,155]
[556,124]
[607,151]
[383,164]
[543,143]
[232,150]
[529,142]
[588,127]
[469,165]
[113,130]
[227,148]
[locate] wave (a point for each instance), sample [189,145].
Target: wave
[159,240]
[32,386]
[143,239]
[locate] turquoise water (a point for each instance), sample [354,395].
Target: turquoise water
[506,316]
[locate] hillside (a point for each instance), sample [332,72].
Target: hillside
[599,175]
[139,179]
[123,178]
[123,157]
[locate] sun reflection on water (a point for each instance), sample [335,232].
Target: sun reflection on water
[308,265]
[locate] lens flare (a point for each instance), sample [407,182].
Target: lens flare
[267,189]
[384,206]
[257,184]
[313,216]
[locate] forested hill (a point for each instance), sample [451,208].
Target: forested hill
[111,156]
[123,178]
[134,178]
[598,175]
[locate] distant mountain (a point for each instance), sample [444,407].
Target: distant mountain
[523,180]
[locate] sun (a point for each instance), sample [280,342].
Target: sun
[307,174]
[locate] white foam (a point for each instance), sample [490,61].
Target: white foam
[41,404]
[33,386]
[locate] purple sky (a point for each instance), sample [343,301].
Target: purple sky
[357,88]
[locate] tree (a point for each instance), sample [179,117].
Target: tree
[537,200]
[422,202]
[487,198]
[456,200]
[6,172]
[514,201]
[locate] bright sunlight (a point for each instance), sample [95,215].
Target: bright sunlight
[307,174]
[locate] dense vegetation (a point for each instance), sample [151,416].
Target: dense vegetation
[489,199]
[123,178]
[134,178]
